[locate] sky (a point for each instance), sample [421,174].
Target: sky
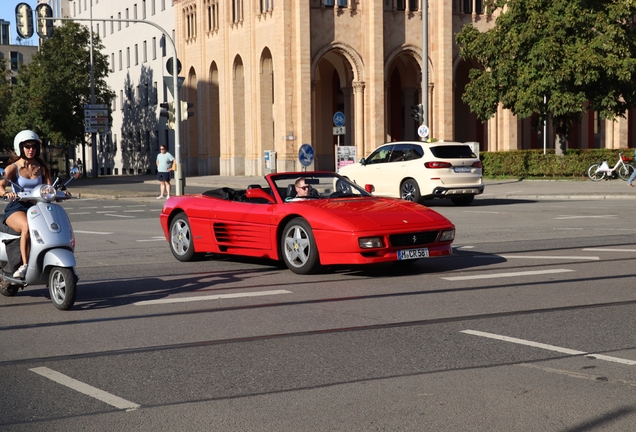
[7,13]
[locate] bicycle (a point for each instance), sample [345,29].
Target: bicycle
[601,170]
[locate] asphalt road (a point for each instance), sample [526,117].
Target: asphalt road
[527,327]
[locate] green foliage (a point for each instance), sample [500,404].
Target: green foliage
[52,90]
[579,54]
[534,164]
[5,99]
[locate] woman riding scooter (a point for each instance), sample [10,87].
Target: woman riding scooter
[27,169]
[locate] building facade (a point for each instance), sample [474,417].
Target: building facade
[269,75]
[137,54]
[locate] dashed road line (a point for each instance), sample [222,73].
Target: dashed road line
[505,275]
[118,215]
[86,389]
[549,347]
[608,250]
[547,257]
[93,232]
[210,297]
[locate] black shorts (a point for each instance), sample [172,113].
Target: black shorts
[164,176]
[17,206]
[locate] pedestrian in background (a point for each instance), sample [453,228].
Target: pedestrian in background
[633,176]
[165,163]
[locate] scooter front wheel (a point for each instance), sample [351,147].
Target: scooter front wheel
[63,287]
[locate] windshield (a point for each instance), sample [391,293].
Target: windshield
[315,186]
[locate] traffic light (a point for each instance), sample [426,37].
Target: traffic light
[44,27]
[167,111]
[185,114]
[418,113]
[24,20]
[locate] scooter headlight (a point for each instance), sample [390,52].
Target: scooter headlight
[48,192]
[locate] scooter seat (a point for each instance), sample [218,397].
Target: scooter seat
[6,228]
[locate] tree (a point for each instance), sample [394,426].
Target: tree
[52,90]
[5,99]
[578,54]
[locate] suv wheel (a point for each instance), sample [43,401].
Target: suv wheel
[410,191]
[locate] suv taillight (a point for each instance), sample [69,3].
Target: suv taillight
[476,164]
[437,165]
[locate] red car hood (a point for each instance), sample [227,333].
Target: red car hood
[371,213]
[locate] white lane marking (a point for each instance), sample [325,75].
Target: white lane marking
[483,212]
[465,247]
[548,257]
[78,213]
[503,275]
[86,389]
[93,232]
[211,297]
[87,208]
[105,211]
[118,215]
[153,239]
[608,250]
[587,217]
[112,206]
[133,211]
[549,347]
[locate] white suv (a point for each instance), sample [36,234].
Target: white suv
[415,171]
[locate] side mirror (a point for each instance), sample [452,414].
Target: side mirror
[363,161]
[259,193]
[74,173]
[369,188]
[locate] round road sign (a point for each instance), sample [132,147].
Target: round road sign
[306,155]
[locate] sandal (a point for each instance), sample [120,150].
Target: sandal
[630,185]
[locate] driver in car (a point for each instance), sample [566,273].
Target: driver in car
[302,190]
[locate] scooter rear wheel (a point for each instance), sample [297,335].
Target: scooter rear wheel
[63,287]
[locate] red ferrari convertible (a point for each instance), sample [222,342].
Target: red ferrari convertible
[336,222]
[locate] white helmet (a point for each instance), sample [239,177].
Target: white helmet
[21,137]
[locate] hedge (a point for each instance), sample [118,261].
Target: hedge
[534,164]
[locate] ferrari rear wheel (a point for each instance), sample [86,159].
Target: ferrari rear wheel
[298,247]
[181,243]
[410,191]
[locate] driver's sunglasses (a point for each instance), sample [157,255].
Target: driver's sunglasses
[303,187]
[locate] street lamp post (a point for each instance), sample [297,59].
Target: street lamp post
[425,120]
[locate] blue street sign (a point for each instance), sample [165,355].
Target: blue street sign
[339,119]
[306,155]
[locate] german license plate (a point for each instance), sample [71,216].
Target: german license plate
[462,169]
[406,254]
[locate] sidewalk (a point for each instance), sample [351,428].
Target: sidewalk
[147,186]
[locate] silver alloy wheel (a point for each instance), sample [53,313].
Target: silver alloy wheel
[297,246]
[62,287]
[409,191]
[180,237]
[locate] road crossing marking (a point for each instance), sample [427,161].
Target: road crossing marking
[549,257]
[608,250]
[549,347]
[86,389]
[210,297]
[92,232]
[504,275]
[153,239]
[118,215]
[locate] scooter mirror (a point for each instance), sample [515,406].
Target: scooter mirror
[75,173]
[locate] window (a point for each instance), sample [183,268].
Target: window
[136,54]
[104,27]
[120,60]
[127,17]
[135,11]
[145,52]
[152,7]
[154,48]
[128,57]
[237,11]
[467,6]
[16,60]
[414,5]
[112,62]
[119,23]
[121,98]
[268,5]
[191,23]
[154,94]
[97,29]
[163,5]
[143,9]
[162,43]
[400,5]
[328,3]
[112,25]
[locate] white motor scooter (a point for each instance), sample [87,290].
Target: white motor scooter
[51,259]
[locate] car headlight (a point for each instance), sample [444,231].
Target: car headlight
[447,235]
[48,192]
[370,242]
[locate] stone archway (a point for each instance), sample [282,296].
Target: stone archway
[189,128]
[266,81]
[404,91]
[211,122]
[467,127]
[237,166]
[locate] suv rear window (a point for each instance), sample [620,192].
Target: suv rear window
[453,152]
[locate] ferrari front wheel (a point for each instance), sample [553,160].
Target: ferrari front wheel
[298,247]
